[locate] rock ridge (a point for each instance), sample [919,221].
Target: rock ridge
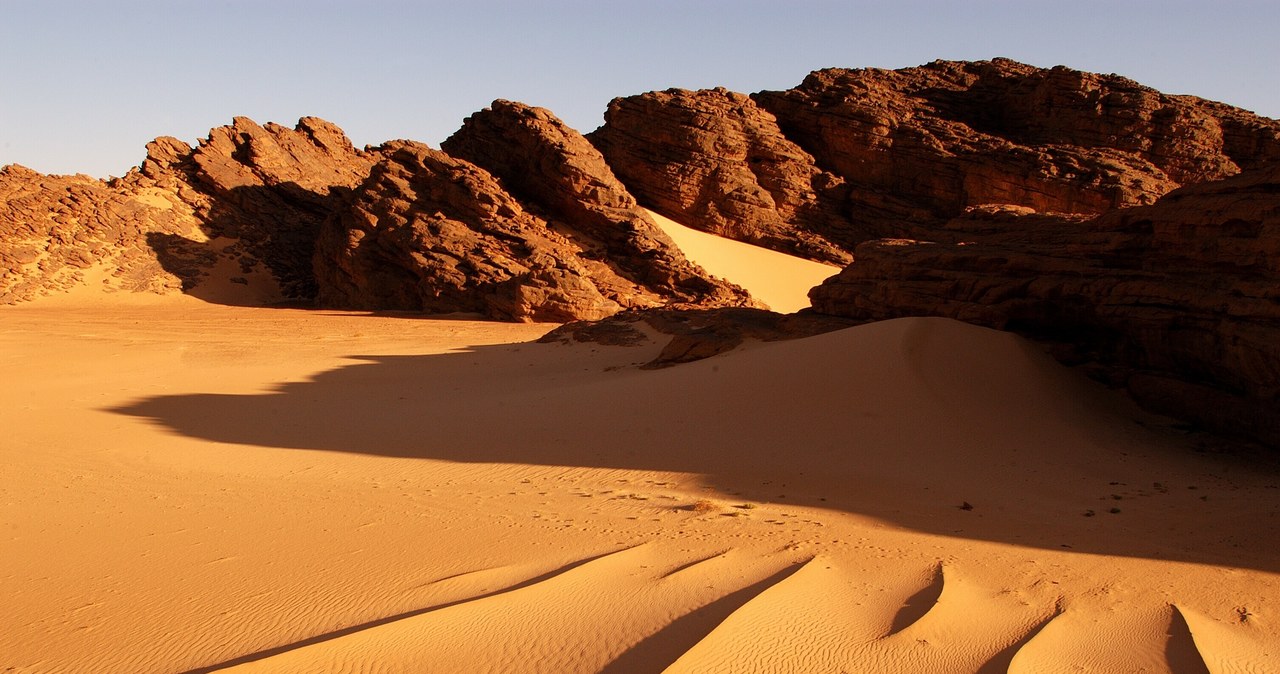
[1176,302]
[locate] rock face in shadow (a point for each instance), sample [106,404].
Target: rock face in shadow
[429,232]
[1176,301]
[854,155]
[262,191]
[558,175]
[715,160]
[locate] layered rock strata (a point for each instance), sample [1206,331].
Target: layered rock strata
[854,155]
[716,161]
[1178,302]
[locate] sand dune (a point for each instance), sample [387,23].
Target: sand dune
[777,279]
[192,488]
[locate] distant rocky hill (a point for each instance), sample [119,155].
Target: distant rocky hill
[1134,233]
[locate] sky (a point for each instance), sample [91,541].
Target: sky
[85,85]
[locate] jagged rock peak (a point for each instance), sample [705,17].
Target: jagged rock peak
[561,177]
[430,232]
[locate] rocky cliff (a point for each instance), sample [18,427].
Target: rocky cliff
[854,155]
[717,161]
[259,193]
[556,173]
[1177,302]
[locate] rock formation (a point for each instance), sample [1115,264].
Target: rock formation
[429,232]
[716,161]
[1178,302]
[57,231]
[855,155]
[925,143]
[1134,233]
[557,174]
[245,203]
[259,192]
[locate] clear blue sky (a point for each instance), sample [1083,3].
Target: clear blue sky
[84,85]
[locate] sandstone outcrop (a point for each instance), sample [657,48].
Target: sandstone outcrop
[245,204]
[429,232]
[716,161]
[259,191]
[1178,302]
[558,175]
[922,144]
[57,231]
[855,155]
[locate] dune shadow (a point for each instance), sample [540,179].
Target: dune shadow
[918,604]
[405,615]
[765,427]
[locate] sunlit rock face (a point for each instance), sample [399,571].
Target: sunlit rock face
[853,155]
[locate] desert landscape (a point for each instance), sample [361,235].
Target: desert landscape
[965,368]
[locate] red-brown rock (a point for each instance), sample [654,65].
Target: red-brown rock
[695,334]
[716,161]
[557,174]
[55,230]
[1179,302]
[262,189]
[919,145]
[245,204]
[855,155]
[429,232]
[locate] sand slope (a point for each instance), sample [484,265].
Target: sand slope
[782,281]
[192,487]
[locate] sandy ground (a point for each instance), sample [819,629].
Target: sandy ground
[189,487]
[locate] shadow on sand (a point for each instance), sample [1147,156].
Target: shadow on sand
[824,422]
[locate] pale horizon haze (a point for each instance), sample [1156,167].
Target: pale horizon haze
[87,84]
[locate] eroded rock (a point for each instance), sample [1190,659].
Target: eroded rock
[1178,302]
